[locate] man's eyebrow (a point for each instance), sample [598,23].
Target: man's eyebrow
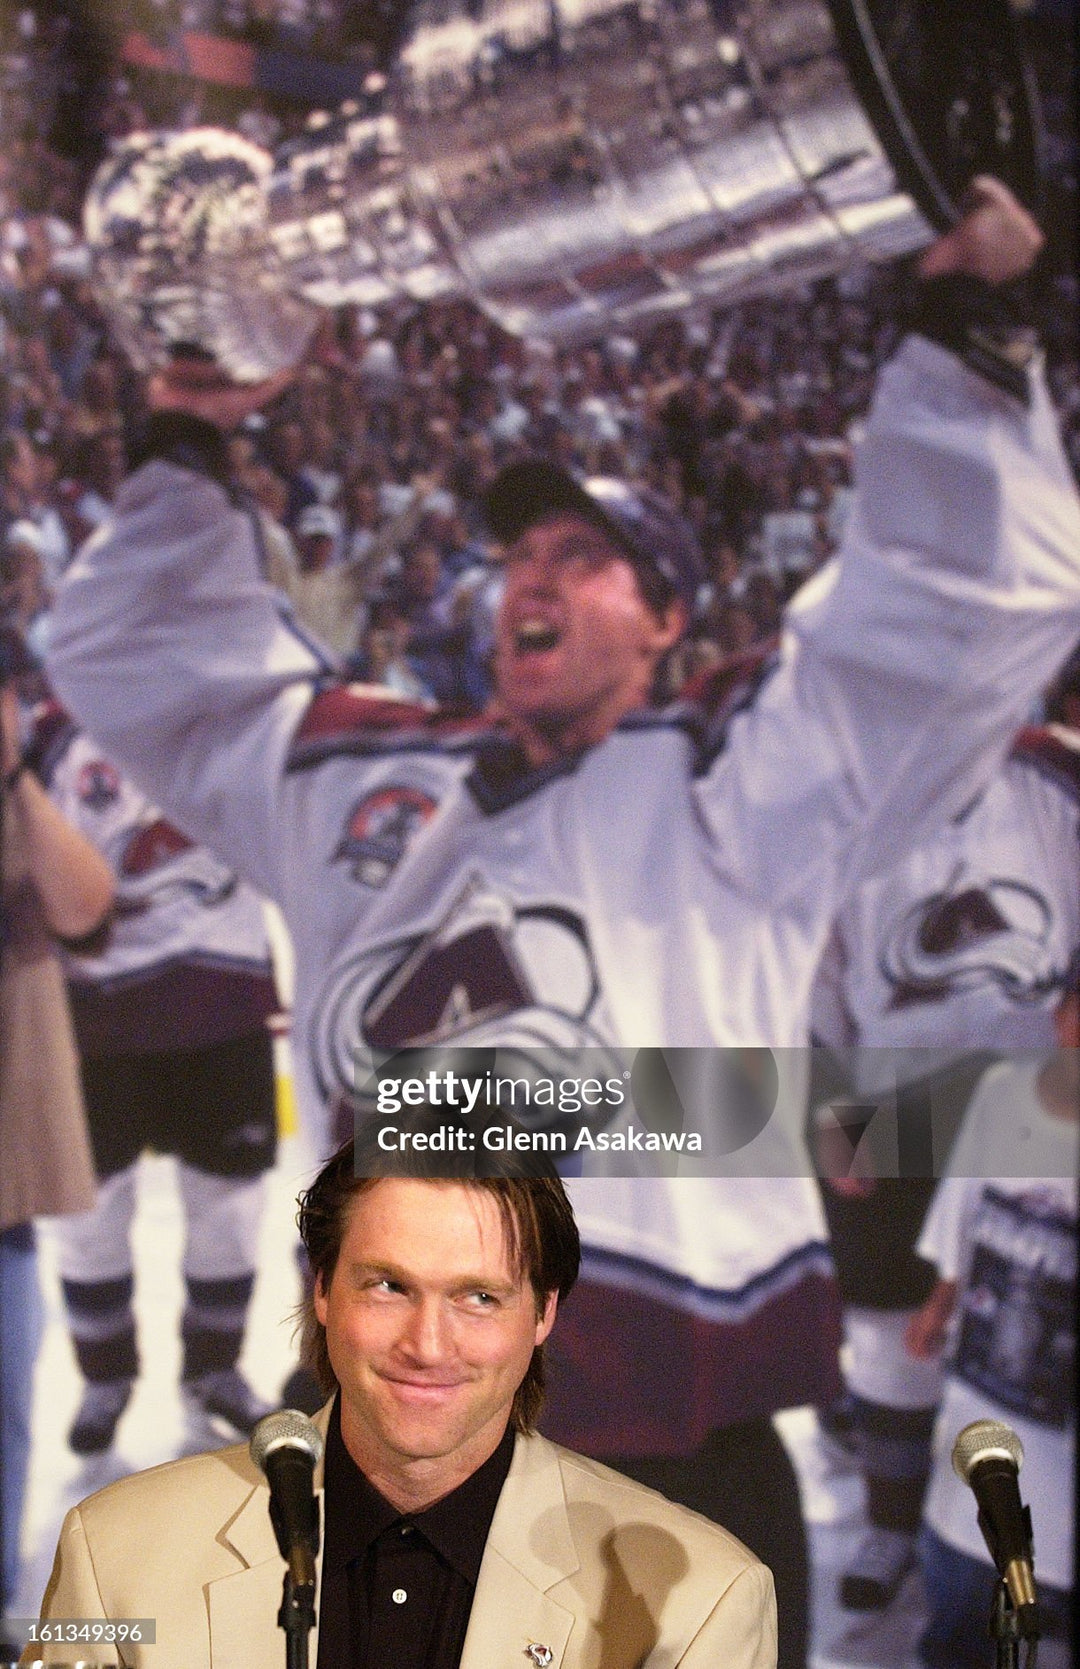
[479,1283]
[361,1268]
[584,534]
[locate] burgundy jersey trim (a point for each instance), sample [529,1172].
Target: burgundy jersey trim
[617,1370]
[1053,750]
[346,719]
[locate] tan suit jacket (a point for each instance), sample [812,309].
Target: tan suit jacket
[604,1573]
[47,1168]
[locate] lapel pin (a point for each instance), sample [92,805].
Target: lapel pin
[541,1655]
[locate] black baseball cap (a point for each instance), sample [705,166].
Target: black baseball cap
[656,539]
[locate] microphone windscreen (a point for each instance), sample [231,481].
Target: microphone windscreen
[286,1428]
[985,1440]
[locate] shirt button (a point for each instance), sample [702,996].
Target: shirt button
[399,1596]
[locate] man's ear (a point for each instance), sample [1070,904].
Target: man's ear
[546,1320]
[671,624]
[318,1298]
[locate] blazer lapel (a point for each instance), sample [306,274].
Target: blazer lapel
[244,1632]
[530,1549]
[510,1615]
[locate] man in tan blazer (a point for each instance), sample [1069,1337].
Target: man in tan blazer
[431,1304]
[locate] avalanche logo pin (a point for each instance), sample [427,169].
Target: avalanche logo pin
[541,1655]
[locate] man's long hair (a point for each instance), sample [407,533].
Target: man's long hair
[537,1217]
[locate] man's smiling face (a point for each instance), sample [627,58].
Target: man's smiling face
[430,1328]
[576,644]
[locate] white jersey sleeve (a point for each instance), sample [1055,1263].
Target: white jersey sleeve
[182,662]
[908,663]
[945,1232]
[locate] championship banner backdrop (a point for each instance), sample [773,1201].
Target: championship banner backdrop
[537,542]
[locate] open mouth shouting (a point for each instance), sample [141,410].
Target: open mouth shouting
[535,636]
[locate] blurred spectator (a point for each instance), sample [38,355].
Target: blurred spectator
[325,593]
[385,660]
[51,882]
[318,538]
[287,451]
[1005,1248]
[360,509]
[24,592]
[99,464]
[96,402]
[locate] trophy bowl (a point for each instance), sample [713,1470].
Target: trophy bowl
[177,227]
[573,166]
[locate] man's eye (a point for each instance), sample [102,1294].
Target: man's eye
[483,1300]
[387,1285]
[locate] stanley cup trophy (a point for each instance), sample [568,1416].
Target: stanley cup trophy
[573,166]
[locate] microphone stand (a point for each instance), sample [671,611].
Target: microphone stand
[297,1618]
[1008,1626]
[1004,1629]
[294,1446]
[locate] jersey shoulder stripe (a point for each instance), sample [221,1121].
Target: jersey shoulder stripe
[357,719]
[710,702]
[1054,751]
[706,704]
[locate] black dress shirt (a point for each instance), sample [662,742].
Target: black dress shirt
[397,1588]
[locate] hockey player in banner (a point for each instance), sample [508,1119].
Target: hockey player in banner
[584,870]
[171,1001]
[954,958]
[1004,1311]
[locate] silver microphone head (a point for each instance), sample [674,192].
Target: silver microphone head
[181,254]
[985,1440]
[285,1428]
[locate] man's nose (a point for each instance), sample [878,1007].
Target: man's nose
[537,572]
[426,1336]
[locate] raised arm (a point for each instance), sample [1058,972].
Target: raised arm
[170,648]
[908,663]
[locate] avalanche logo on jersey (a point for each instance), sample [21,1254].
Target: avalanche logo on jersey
[490,974]
[98,784]
[159,861]
[379,828]
[989,932]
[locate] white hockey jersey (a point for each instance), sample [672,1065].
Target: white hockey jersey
[674,885]
[183,960]
[967,944]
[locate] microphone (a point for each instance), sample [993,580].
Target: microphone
[987,1456]
[285,1447]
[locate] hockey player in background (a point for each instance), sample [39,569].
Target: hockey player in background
[957,956]
[1004,1308]
[170,1000]
[582,870]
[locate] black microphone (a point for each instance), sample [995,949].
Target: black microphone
[988,1456]
[285,1447]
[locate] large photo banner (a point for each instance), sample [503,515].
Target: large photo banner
[541,636]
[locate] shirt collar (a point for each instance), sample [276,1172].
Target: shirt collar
[356,1514]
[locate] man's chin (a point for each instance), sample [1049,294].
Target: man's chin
[540,706]
[420,1438]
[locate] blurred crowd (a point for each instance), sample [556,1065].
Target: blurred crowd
[368,472]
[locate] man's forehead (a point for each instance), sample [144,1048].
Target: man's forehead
[409,1213]
[571,527]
